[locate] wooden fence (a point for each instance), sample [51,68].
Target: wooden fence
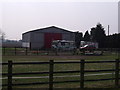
[51,72]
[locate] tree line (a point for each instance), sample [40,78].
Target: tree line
[97,34]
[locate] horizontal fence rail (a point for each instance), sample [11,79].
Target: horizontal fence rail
[60,62]
[51,72]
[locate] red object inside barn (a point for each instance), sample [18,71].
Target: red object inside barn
[49,37]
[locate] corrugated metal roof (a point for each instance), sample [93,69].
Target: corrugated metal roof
[48,28]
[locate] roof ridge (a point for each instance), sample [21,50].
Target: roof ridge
[47,28]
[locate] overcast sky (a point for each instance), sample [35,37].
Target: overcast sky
[20,17]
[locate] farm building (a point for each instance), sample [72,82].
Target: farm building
[42,38]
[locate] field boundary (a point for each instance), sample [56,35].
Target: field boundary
[14,51]
[51,72]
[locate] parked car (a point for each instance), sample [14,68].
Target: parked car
[88,47]
[90,50]
[63,45]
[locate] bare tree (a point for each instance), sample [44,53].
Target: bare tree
[2,35]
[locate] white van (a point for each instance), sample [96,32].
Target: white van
[63,45]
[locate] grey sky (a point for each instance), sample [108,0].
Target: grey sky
[21,17]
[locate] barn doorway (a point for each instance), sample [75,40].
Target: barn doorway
[49,37]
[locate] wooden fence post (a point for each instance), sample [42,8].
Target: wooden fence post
[117,73]
[38,51]
[26,51]
[3,50]
[51,74]
[48,51]
[15,51]
[56,51]
[9,75]
[82,66]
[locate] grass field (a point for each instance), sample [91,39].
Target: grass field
[105,56]
[63,67]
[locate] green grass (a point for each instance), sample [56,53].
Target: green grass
[106,56]
[62,67]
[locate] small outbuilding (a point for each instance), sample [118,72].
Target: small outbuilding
[42,38]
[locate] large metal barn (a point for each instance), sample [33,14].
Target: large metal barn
[42,38]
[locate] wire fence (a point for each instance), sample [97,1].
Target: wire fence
[26,51]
